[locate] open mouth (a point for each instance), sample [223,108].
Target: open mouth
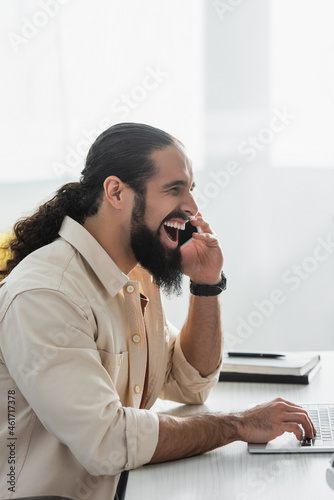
[172,229]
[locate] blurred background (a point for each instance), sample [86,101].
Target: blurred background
[246,85]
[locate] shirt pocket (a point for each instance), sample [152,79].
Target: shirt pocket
[117,366]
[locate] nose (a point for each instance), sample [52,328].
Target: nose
[189,205]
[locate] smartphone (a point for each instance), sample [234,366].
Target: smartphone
[185,236]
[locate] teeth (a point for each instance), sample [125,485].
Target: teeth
[176,225]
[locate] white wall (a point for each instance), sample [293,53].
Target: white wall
[275,220]
[72,68]
[272,220]
[268,222]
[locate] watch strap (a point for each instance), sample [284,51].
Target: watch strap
[208,290]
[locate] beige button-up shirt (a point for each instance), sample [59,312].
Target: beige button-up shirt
[73,359]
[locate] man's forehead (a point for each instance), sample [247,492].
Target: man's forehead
[174,164]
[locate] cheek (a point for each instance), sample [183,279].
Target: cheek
[158,208]
[155,215]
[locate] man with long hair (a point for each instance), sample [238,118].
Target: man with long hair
[85,347]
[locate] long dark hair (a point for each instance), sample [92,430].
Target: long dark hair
[122,150]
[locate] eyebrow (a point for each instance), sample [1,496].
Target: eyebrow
[178,183]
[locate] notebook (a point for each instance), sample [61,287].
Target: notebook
[322,416]
[270,378]
[288,363]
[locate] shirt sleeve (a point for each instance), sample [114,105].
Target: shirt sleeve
[47,342]
[183,383]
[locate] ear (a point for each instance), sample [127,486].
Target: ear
[114,190]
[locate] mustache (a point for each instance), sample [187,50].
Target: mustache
[176,214]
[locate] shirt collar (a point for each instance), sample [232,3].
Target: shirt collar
[112,278]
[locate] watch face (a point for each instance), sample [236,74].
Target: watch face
[185,236]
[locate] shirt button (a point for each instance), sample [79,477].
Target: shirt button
[130,288]
[120,361]
[137,389]
[136,338]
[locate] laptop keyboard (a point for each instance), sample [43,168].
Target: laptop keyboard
[322,416]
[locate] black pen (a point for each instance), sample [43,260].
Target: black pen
[269,355]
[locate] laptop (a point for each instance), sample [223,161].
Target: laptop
[322,416]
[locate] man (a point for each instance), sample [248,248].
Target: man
[85,345]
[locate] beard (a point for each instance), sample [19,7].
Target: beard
[164,264]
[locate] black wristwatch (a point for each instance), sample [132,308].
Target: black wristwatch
[208,290]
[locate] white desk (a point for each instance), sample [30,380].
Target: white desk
[232,473]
